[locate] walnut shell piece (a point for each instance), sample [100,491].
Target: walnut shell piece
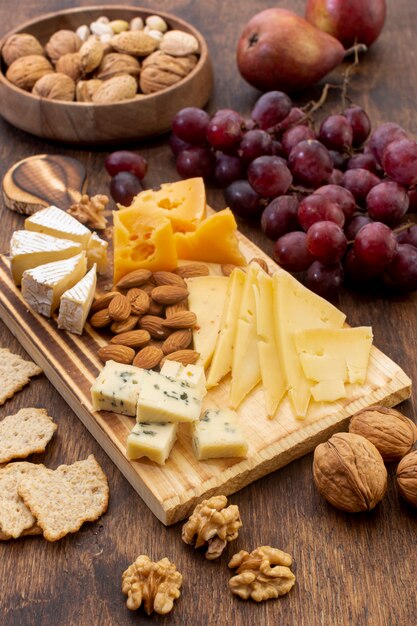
[155,584]
[134,42]
[55,86]
[391,432]
[20,45]
[116,89]
[62,42]
[25,71]
[349,472]
[213,523]
[116,63]
[70,64]
[161,70]
[407,477]
[262,574]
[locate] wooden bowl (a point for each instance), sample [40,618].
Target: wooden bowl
[102,124]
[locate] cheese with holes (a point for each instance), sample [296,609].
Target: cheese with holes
[296,308]
[76,303]
[97,253]
[58,223]
[214,241]
[221,362]
[162,399]
[182,202]
[116,388]
[218,434]
[29,249]
[153,441]
[142,239]
[206,299]
[191,374]
[43,285]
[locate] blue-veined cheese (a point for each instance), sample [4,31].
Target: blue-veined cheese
[116,388]
[154,441]
[191,374]
[218,434]
[76,302]
[162,399]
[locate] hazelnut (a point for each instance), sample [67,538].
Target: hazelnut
[25,71]
[20,45]
[62,42]
[55,86]
[407,477]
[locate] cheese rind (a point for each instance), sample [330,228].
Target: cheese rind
[154,441]
[191,374]
[116,388]
[218,434]
[162,399]
[76,303]
[58,223]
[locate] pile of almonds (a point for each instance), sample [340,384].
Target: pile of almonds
[106,62]
[149,317]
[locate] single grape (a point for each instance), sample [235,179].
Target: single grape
[399,161]
[326,241]
[243,200]
[126,161]
[382,136]
[335,178]
[318,207]
[290,252]
[360,124]
[190,125]
[325,280]
[177,145]
[359,182]
[280,217]
[336,133]
[255,143]
[271,108]
[355,224]
[387,202]
[375,245]
[269,176]
[195,161]
[310,163]
[401,273]
[227,169]
[364,162]
[356,272]
[293,117]
[338,159]
[224,131]
[341,196]
[295,134]
[409,235]
[124,186]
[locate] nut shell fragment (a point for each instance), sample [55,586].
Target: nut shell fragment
[154,584]
[407,477]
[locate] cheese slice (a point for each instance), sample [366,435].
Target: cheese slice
[116,388]
[43,286]
[154,441]
[328,391]
[206,300]
[272,371]
[221,362]
[58,223]
[297,308]
[27,250]
[76,303]
[218,434]
[162,399]
[319,367]
[97,253]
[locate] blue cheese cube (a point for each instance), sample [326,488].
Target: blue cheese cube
[191,374]
[117,388]
[154,441]
[218,434]
[162,399]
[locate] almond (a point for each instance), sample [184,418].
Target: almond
[169,294]
[260,262]
[181,319]
[192,269]
[148,286]
[179,340]
[140,305]
[132,338]
[103,301]
[168,278]
[228,269]
[175,308]
[101,318]
[121,354]
[148,357]
[155,308]
[133,293]
[116,89]
[185,357]
[134,279]
[153,325]
[119,308]
[125,326]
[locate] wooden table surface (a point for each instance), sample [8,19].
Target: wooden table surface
[355,570]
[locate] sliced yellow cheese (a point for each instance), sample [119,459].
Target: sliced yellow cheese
[76,303]
[297,308]
[319,367]
[221,363]
[328,391]
[272,371]
[206,300]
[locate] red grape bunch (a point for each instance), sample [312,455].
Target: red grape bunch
[127,170]
[334,200]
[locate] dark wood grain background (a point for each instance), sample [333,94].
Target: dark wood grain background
[357,570]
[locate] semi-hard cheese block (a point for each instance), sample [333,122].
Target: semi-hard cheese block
[58,223]
[206,299]
[28,249]
[116,388]
[154,441]
[182,202]
[214,241]
[191,374]
[162,399]
[218,434]
[76,303]
[43,286]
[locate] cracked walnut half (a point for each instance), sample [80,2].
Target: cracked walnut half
[155,584]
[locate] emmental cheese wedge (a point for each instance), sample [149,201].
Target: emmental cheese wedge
[154,441]
[76,303]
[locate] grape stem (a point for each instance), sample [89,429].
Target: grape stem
[356,49]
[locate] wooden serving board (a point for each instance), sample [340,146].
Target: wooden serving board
[171,492]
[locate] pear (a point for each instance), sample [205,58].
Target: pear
[280,50]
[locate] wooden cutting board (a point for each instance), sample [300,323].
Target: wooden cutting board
[172,491]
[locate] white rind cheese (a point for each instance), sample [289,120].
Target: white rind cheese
[162,399]
[191,374]
[76,303]
[218,434]
[97,253]
[117,388]
[58,223]
[153,441]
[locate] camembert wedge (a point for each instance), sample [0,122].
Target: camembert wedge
[58,223]
[76,302]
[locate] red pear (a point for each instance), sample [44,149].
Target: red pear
[280,50]
[348,20]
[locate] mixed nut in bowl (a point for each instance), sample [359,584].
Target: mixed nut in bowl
[102,75]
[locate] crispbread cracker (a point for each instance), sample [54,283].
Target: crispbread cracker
[26,432]
[63,499]
[15,517]
[15,373]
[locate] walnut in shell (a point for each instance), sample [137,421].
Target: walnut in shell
[155,584]
[262,574]
[161,70]
[25,71]
[20,45]
[116,89]
[116,63]
[349,472]
[55,86]
[212,523]
[134,42]
[89,211]
[70,64]
[407,478]
[62,42]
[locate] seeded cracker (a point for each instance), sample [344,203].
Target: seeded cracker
[15,518]
[15,373]
[27,432]
[63,499]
